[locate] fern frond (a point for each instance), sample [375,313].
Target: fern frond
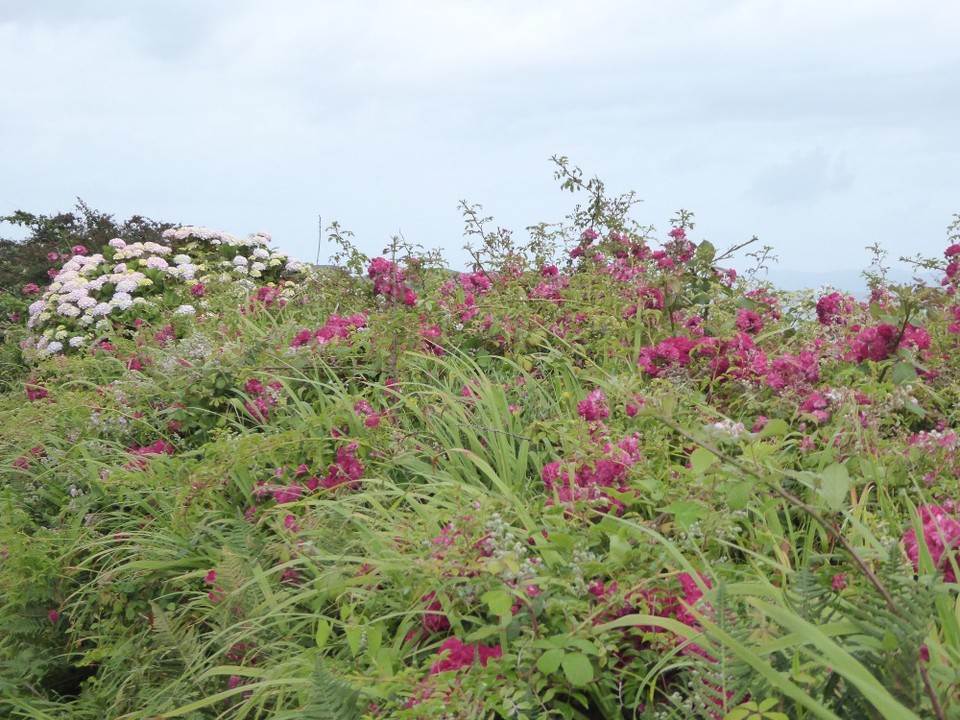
[331,698]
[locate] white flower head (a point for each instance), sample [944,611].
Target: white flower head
[156,249]
[157,263]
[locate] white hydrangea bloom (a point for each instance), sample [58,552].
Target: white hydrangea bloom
[102,309]
[156,249]
[157,263]
[184,272]
[213,237]
[76,341]
[261,253]
[121,300]
[240,261]
[117,243]
[185,310]
[68,310]
[181,259]
[54,347]
[86,302]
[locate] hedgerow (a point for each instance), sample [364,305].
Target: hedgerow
[597,476]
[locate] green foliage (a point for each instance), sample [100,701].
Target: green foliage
[597,477]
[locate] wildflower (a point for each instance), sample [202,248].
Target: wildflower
[347,470]
[838,582]
[434,620]
[941,535]
[454,655]
[832,308]
[594,407]
[748,321]
[876,343]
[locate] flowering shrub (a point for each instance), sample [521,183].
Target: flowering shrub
[125,282]
[599,476]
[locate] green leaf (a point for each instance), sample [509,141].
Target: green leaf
[834,486]
[777,427]
[706,252]
[578,669]
[904,373]
[354,635]
[738,494]
[374,639]
[619,548]
[550,661]
[685,513]
[700,461]
[323,632]
[499,602]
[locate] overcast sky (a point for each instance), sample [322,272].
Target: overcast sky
[821,126]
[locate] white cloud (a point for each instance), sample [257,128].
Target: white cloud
[808,122]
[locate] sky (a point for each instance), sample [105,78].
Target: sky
[819,126]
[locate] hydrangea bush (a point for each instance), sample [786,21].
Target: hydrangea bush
[124,283]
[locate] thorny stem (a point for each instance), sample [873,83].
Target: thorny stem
[896,344]
[831,530]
